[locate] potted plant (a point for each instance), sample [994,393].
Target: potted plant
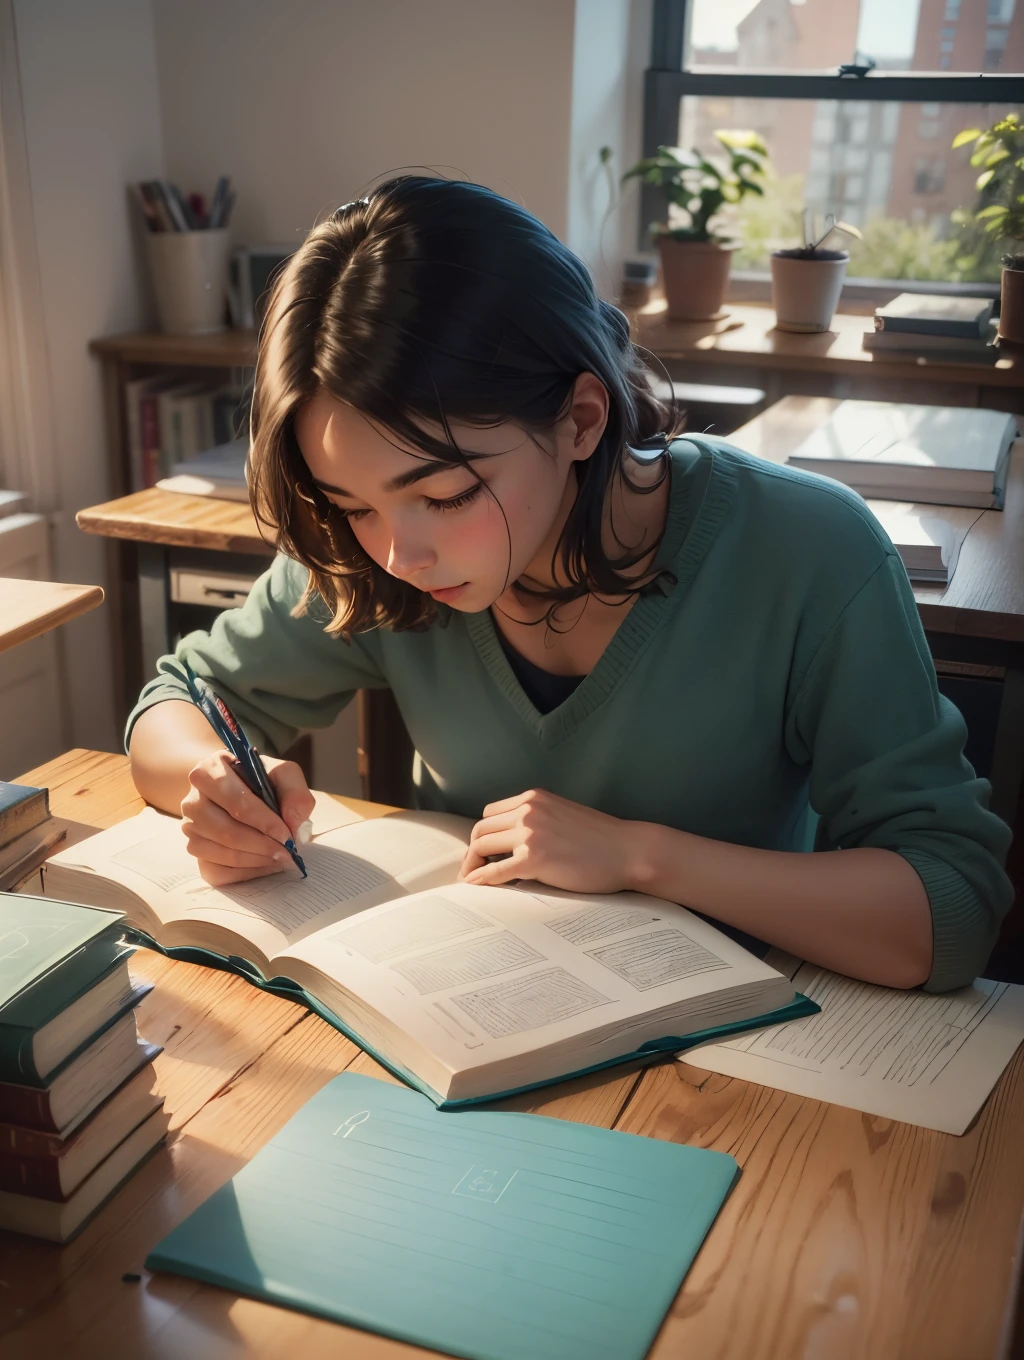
[807,280]
[999,211]
[696,255]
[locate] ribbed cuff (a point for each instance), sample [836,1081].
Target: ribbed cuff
[962,925]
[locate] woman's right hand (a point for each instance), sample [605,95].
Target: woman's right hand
[231,832]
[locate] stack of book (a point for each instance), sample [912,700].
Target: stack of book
[938,455]
[78,1109]
[27,832]
[932,326]
[217,472]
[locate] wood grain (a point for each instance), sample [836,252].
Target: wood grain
[985,598]
[847,1237]
[30,608]
[226,349]
[748,336]
[156,516]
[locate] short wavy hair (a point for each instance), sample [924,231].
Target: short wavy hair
[432,301]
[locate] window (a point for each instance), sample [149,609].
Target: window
[873,148]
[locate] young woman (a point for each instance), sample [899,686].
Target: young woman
[637,662]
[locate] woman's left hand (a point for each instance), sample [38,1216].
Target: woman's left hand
[554,841]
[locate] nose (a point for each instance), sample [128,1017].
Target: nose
[409,554]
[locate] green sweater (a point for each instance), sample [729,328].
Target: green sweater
[780,695]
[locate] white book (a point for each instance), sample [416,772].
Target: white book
[476,991]
[928,540]
[924,1059]
[955,455]
[218,472]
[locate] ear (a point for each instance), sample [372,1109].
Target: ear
[587,416]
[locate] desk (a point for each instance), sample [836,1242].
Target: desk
[30,608]
[847,1236]
[745,348]
[978,618]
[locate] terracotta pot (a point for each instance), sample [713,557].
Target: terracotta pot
[695,275]
[1011,308]
[805,290]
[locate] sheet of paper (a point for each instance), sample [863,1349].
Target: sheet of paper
[924,1059]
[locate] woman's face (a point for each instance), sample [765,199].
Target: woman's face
[434,525]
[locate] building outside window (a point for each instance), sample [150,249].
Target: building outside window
[885,165]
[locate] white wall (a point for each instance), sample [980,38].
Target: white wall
[92,124]
[305,103]
[611,48]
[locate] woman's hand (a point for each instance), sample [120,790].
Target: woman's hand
[555,841]
[231,832]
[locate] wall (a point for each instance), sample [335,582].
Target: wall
[611,48]
[305,103]
[92,124]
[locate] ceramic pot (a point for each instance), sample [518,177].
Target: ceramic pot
[1011,307]
[189,270]
[695,275]
[806,288]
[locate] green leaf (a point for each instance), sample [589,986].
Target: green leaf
[983,179]
[968,135]
[996,210]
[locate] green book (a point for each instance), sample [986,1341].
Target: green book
[22,808]
[57,1015]
[484,1234]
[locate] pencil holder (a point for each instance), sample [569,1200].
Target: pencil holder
[190,276]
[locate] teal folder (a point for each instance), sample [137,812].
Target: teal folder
[291,991]
[484,1234]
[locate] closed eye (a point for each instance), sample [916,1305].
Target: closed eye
[456,502]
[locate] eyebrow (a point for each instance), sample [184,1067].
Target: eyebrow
[429,468]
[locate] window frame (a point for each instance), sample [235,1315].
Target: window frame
[666,82]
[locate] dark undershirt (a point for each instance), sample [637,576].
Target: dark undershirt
[546,691]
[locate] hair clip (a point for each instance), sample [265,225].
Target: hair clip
[649,449]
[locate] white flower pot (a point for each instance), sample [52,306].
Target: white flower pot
[805,292]
[190,278]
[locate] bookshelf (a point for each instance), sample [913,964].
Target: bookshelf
[148,531]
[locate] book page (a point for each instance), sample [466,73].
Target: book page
[924,1059]
[351,866]
[493,972]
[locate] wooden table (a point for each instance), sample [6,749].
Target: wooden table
[746,348]
[30,608]
[978,618]
[847,1237]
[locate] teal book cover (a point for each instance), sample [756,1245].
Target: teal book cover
[484,1234]
[37,933]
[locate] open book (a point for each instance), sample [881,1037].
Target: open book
[467,992]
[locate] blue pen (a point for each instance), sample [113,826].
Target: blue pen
[250,768]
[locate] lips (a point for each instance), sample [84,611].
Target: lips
[447,593]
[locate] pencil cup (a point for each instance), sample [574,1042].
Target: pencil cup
[190,278]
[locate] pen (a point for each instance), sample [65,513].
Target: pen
[250,768]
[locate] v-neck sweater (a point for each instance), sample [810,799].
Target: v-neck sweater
[775,691]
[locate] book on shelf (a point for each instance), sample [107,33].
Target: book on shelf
[952,349]
[218,472]
[467,992]
[944,455]
[495,1234]
[168,421]
[936,314]
[58,1220]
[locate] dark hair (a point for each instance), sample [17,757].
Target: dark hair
[436,300]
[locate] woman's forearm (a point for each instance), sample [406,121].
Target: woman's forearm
[862,912]
[168,740]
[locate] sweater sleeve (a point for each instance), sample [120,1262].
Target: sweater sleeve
[278,674]
[887,769]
